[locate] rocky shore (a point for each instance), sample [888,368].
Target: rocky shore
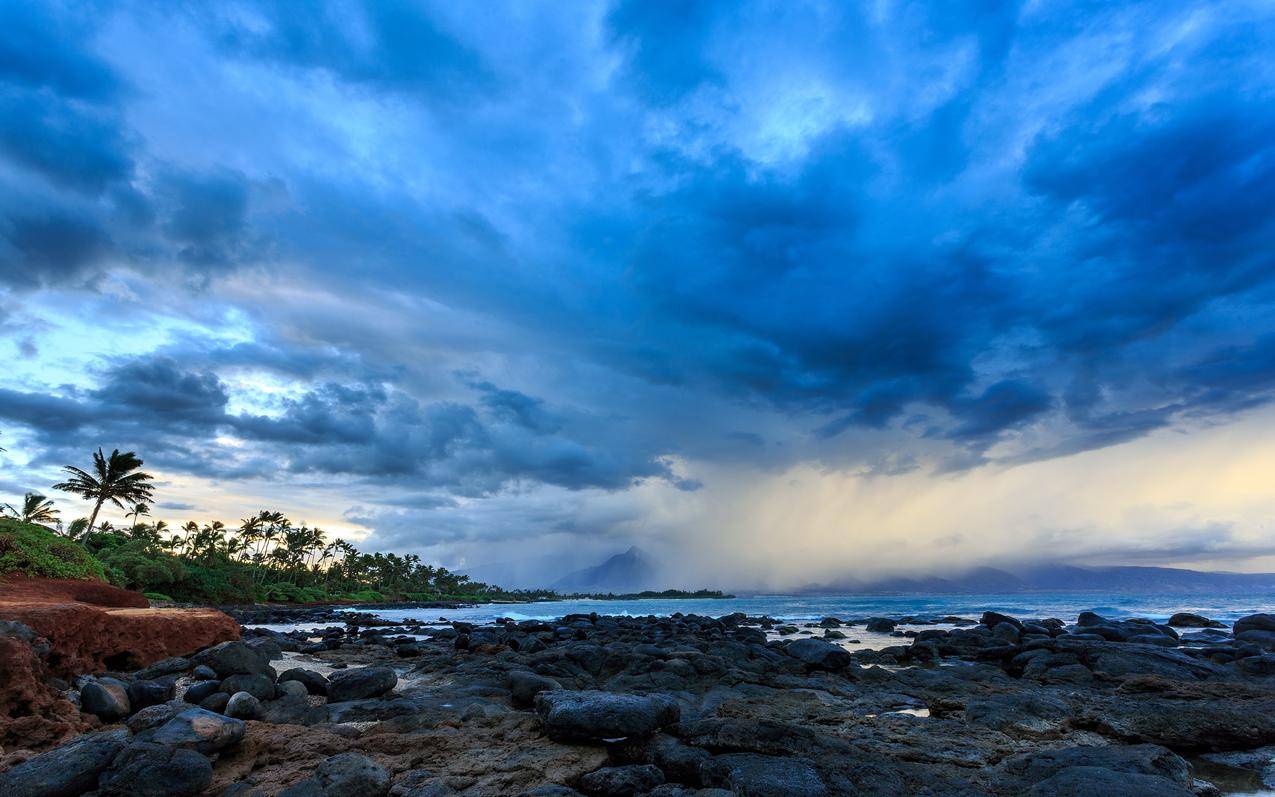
[683,705]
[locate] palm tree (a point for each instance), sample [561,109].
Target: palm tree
[35,509]
[139,509]
[116,479]
[76,528]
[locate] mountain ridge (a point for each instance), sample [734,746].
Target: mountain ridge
[631,571]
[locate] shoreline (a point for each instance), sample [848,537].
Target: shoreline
[992,706]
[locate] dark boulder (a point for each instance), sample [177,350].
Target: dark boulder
[625,781]
[200,730]
[1189,620]
[1141,759]
[753,775]
[145,769]
[880,625]
[993,619]
[293,710]
[315,683]
[595,715]
[66,771]
[1099,782]
[1022,714]
[171,666]
[344,775]
[818,654]
[259,686]
[233,658]
[266,647]
[360,683]
[525,685]
[154,716]
[1254,622]
[679,761]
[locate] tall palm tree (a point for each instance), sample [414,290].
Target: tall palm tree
[35,509]
[116,479]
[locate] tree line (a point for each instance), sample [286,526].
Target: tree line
[266,557]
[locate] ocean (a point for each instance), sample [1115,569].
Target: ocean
[796,608]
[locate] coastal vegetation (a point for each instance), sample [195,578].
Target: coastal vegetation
[263,558]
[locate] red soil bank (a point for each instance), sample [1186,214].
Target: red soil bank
[93,626]
[33,715]
[87,626]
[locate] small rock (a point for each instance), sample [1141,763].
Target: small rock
[243,706]
[149,693]
[291,688]
[106,699]
[216,702]
[203,673]
[200,690]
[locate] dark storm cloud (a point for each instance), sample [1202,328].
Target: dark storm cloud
[394,45]
[206,214]
[43,47]
[768,234]
[666,45]
[49,246]
[72,144]
[366,431]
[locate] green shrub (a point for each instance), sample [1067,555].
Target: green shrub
[37,551]
[219,585]
[138,565]
[158,596]
[364,596]
[283,592]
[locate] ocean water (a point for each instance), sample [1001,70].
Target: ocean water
[1063,605]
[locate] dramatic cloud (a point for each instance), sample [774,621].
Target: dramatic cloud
[544,274]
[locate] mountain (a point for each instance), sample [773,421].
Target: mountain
[1060,577]
[631,571]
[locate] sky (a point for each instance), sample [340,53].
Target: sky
[780,292]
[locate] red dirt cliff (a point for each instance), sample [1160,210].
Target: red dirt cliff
[82,627]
